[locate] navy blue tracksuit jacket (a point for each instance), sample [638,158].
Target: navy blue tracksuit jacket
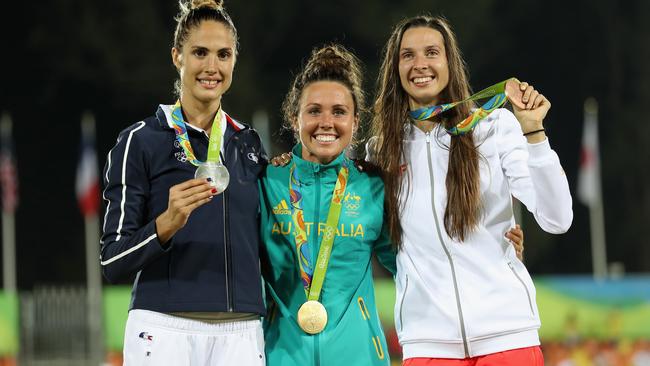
[212,263]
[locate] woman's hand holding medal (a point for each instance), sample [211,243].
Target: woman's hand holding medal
[531,111]
[183,199]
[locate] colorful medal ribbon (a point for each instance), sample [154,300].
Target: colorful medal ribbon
[312,279]
[496,91]
[180,129]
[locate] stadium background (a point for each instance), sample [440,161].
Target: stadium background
[66,57]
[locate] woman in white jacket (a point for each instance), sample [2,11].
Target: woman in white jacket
[463,297]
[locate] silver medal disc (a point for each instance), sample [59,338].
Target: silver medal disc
[217,172]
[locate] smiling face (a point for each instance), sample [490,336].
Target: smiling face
[205,63]
[423,67]
[326,120]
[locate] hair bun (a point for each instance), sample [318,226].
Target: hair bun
[332,60]
[213,4]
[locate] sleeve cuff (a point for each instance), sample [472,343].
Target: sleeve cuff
[540,153]
[157,242]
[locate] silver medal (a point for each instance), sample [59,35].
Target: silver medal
[217,172]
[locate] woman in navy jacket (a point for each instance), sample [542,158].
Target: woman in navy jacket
[194,251]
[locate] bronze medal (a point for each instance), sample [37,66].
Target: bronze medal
[514,94]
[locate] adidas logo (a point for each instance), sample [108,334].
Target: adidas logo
[281,208]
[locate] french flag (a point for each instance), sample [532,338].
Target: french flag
[8,172]
[87,182]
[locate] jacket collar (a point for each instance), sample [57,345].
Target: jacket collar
[307,170]
[164,117]
[413,133]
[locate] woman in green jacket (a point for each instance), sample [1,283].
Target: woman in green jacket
[322,218]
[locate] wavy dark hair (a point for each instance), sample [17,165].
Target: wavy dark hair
[391,109]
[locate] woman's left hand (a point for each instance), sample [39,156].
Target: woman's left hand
[282,159]
[532,116]
[516,237]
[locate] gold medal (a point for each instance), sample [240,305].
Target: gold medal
[312,317]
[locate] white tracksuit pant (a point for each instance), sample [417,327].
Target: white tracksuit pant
[159,339]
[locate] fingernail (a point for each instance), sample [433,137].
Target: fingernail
[214,190]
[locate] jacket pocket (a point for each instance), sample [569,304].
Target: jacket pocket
[375,335]
[523,284]
[401,304]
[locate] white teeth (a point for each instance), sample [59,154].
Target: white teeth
[209,82]
[325,138]
[422,80]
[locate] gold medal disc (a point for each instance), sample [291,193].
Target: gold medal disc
[312,317]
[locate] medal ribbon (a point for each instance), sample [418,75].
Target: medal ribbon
[312,278]
[180,129]
[496,91]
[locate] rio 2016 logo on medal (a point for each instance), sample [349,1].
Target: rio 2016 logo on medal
[312,317]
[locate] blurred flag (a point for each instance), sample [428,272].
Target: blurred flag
[589,191]
[87,183]
[589,173]
[8,172]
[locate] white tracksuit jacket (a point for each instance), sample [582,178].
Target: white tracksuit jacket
[466,299]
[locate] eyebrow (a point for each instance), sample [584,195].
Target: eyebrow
[208,49]
[320,105]
[201,48]
[423,47]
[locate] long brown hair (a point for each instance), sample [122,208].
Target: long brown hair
[388,124]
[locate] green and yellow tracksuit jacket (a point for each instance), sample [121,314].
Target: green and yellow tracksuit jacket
[353,335]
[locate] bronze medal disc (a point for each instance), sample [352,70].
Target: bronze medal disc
[514,94]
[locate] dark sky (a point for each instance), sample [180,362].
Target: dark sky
[113,58]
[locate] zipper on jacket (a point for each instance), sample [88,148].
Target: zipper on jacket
[317,350]
[313,248]
[401,304]
[530,302]
[227,253]
[444,247]
[226,242]
[314,242]
[226,233]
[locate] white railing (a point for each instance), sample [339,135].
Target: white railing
[54,327]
